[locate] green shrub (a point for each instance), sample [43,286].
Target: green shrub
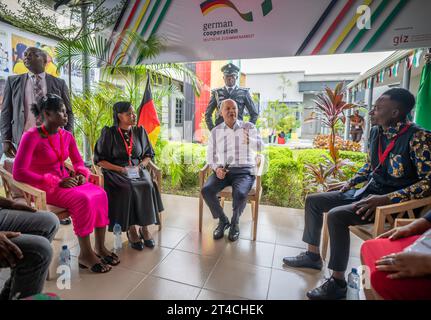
[283,183]
[181,162]
[350,171]
[314,157]
[169,161]
[359,157]
[311,156]
[194,158]
[273,153]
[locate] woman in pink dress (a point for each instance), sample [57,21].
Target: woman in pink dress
[40,163]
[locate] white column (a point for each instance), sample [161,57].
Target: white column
[348,113]
[367,116]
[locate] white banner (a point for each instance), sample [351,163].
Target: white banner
[194,30]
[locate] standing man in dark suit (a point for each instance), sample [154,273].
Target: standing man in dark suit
[21,91]
[230,91]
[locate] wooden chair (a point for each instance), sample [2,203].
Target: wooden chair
[402,222]
[32,196]
[35,197]
[156,177]
[253,196]
[384,220]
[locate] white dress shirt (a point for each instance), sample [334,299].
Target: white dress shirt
[229,146]
[232,88]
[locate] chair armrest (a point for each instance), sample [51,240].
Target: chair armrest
[31,194]
[404,206]
[205,168]
[97,170]
[385,212]
[69,165]
[154,167]
[402,222]
[95,179]
[156,172]
[202,174]
[261,165]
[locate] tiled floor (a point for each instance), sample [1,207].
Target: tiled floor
[188,265]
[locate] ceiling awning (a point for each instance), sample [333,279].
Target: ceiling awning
[196,30]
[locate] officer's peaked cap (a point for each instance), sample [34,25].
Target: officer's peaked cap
[230,69]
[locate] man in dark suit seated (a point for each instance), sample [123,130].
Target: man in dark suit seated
[398,169]
[21,91]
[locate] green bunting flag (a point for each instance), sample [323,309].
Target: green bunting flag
[423,100]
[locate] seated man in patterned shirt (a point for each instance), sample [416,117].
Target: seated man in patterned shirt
[398,169]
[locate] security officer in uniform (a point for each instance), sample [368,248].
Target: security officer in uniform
[230,91]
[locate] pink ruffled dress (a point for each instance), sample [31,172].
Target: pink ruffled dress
[37,164]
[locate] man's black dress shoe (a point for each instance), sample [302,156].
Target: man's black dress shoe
[234,232]
[65,222]
[219,231]
[329,290]
[303,260]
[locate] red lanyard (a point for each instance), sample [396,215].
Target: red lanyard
[129,147]
[383,155]
[57,153]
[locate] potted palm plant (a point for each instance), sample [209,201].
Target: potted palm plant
[94,52]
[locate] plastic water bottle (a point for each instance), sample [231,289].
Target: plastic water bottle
[118,243]
[65,256]
[353,281]
[64,263]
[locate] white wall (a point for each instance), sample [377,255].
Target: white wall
[267,85]
[331,77]
[311,128]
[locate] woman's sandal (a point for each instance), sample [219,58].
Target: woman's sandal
[96,268]
[110,259]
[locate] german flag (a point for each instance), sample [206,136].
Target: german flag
[147,115]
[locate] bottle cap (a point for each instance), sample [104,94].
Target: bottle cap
[64,247]
[354,270]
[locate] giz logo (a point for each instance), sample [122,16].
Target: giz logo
[400,39]
[63,280]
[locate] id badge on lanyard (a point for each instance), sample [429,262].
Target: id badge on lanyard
[133,172]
